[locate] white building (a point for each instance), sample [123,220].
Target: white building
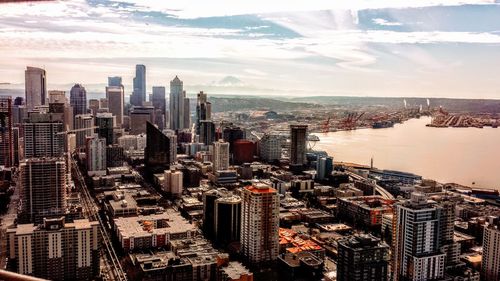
[177,107]
[96,156]
[35,87]
[173,182]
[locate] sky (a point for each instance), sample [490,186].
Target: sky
[420,48]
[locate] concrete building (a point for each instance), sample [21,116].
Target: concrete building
[78,99]
[94,105]
[259,235]
[491,252]
[173,183]
[139,116]
[35,87]
[115,98]
[177,107]
[56,250]
[235,271]
[417,258]
[271,146]
[324,167]
[82,122]
[42,182]
[96,156]
[138,96]
[221,156]
[6,133]
[362,258]
[298,143]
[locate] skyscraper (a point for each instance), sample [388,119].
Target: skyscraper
[105,124]
[56,250]
[159,102]
[115,81]
[207,132]
[177,98]
[221,156]
[6,133]
[35,87]
[43,135]
[78,99]
[43,187]
[324,167]
[139,116]
[160,150]
[227,219]
[139,93]
[187,113]
[83,121]
[298,136]
[115,97]
[362,258]
[259,235]
[203,110]
[96,155]
[416,253]
[491,252]
[173,183]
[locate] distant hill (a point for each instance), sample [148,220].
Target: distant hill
[221,104]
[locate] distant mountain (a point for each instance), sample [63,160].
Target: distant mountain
[229,81]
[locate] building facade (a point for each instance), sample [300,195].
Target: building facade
[35,87]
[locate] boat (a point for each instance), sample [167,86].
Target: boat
[382,124]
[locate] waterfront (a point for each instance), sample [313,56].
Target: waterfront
[461,155]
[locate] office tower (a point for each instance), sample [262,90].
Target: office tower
[187,113]
[173,182]
[221,156]
[271,146]
[78,99]
[160,151]
[416,253]
[16,144]
[207,132]
[177,97]
[227,219]
[58,104]
[491,252]
[43,187]
[231,134]
[243,151]
[103,104]
[259,223]
[44,135]
[139,93]
[56,250]
[35,87]
[139,116]
[105,125]
[115,81]
[159,102]
[96,155]
[6,133]
[115,156]
[56,96]
[362,257]
[94,106]
[84,127]
[324,167]
[115,97]
[203,110]
[298,136]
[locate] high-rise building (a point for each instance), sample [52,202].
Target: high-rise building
[115,97]
[56,96]
[221,155]
[139,116]
[94,106]
[298,136]
[362,257]
[96,156]
[491,252]
[105,125]
[56,250]
[115,81]
[84,124]
[203,110]
[173,182]
[35,87]
[207,132]
[43,135]
[161,150]
[187,113]
[259,235]
[58,103]
[139,93]
[6,133]
[227,219]
[416,254]
[115,156]
[78,99]
[324,167]
[43,187]
[159,101]
[271,146]
[177,98]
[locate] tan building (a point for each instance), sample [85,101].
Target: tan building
[115,99]
[491,252]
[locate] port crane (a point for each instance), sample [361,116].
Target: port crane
[349,123]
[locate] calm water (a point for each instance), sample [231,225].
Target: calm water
[461,155]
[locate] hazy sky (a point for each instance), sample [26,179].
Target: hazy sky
[426,48]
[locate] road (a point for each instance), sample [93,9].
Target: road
[385,194]
[7,220]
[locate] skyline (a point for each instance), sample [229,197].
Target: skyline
[399,49]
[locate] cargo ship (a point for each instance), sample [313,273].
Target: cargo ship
[382,124]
